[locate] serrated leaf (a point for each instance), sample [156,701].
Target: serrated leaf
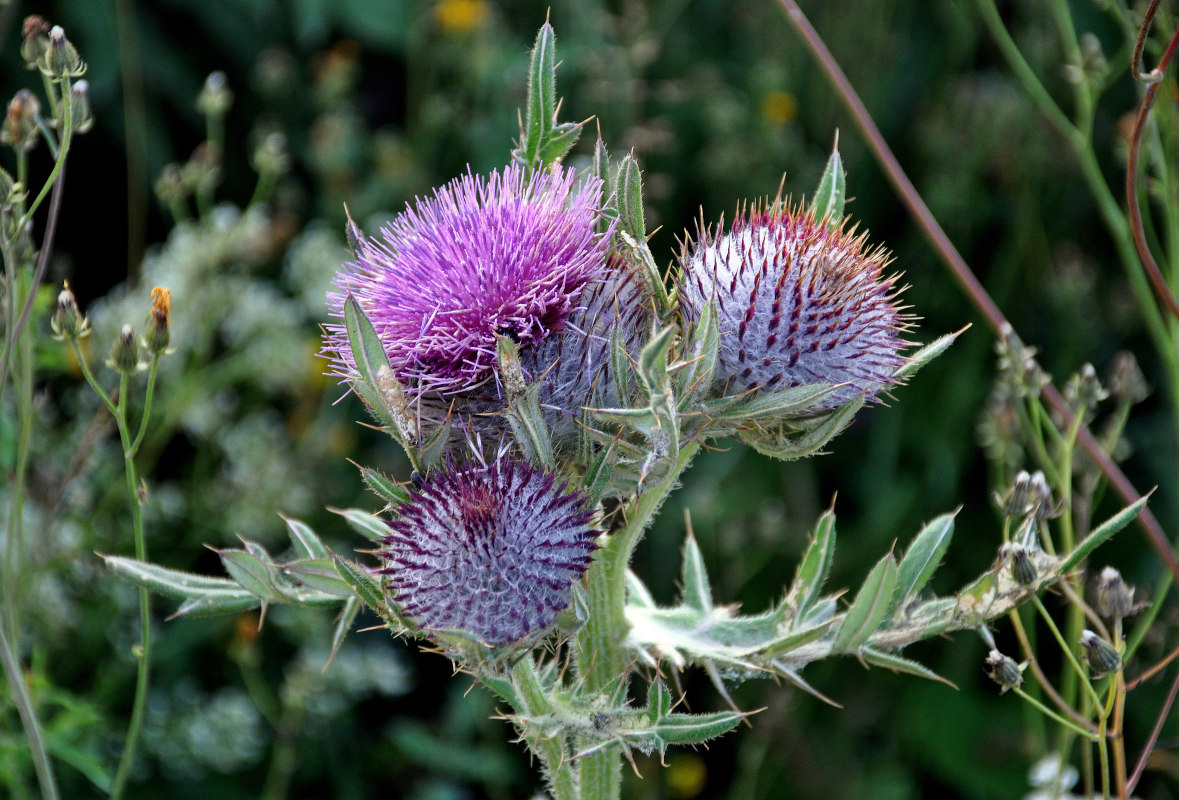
[696,374]
[306,543]
[696,593]
[658,701]
[628,194]
[926,354]
[637,593]
[215,604]
[923,556]
[653,362]
[831,193]
[169,582]
[815,565]
[1101,535]
[692,729]
[389,490]
[641,256]
[251,572]
[532,434]
[776,405]
[597,474]
[896,663]
[319,574]
[369,526]
[344,623]
[871,605]
[368,589]
[784,643]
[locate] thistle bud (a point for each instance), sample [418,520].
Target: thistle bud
[35,41]
[61,61]
[1016,504]
[1040,498]
[125,352]
[510,371]
[1115,599]
[215,97]
[1004,671]
[1023,568]
[158,332]
[20,123]
[1102,656]
[1127,384]
[81,113]
[67,321]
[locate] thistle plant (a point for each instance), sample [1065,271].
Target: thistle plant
[550,385]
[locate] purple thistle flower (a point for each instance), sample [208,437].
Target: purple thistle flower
[502,255]
[797,304]
[491,550]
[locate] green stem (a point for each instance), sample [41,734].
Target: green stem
[28,717]
[602,656]
[531,701]
[1048,712]
[1068,652]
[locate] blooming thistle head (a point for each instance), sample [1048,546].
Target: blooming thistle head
[488,549]
[797,304]
[503,255]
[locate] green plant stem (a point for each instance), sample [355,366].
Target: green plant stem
[28,717]
[602,657]
[1068,652]
[531,701]
[143,653]
[1046,711]
[14,544]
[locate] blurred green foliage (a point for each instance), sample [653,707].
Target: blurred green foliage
[380,100]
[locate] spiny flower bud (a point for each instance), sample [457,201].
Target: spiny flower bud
[1016,503]
[125,352]
[170,186]
[1115,598]
[797,304]
[202,171]
[270,156]
[506,255]
[491,550]
[1004,671]
[61,61]
[35,41]
[1102,656]
[158,334]
[1023,568]
[81,114]
[1040,498]
[20,123]
[215,97]
[67,321]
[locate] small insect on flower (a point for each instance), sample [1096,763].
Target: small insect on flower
[797,304]
[491,550]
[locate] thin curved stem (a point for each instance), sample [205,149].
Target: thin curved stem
[28,717]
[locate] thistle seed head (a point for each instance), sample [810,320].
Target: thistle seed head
[797,303]
[491,550]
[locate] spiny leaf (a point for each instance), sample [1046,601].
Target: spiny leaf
[367,525]
[212,605]
[628,194]
[305,540]
[815,565]
[170,582]
[251,572]
[384,487]
[924,555]
[697,592]
[831,193]
[1101,535]
[869,608]
[344,623]
[896,663]
[927,354]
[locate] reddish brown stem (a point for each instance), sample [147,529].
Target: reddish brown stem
[961,272]
[1157,280]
